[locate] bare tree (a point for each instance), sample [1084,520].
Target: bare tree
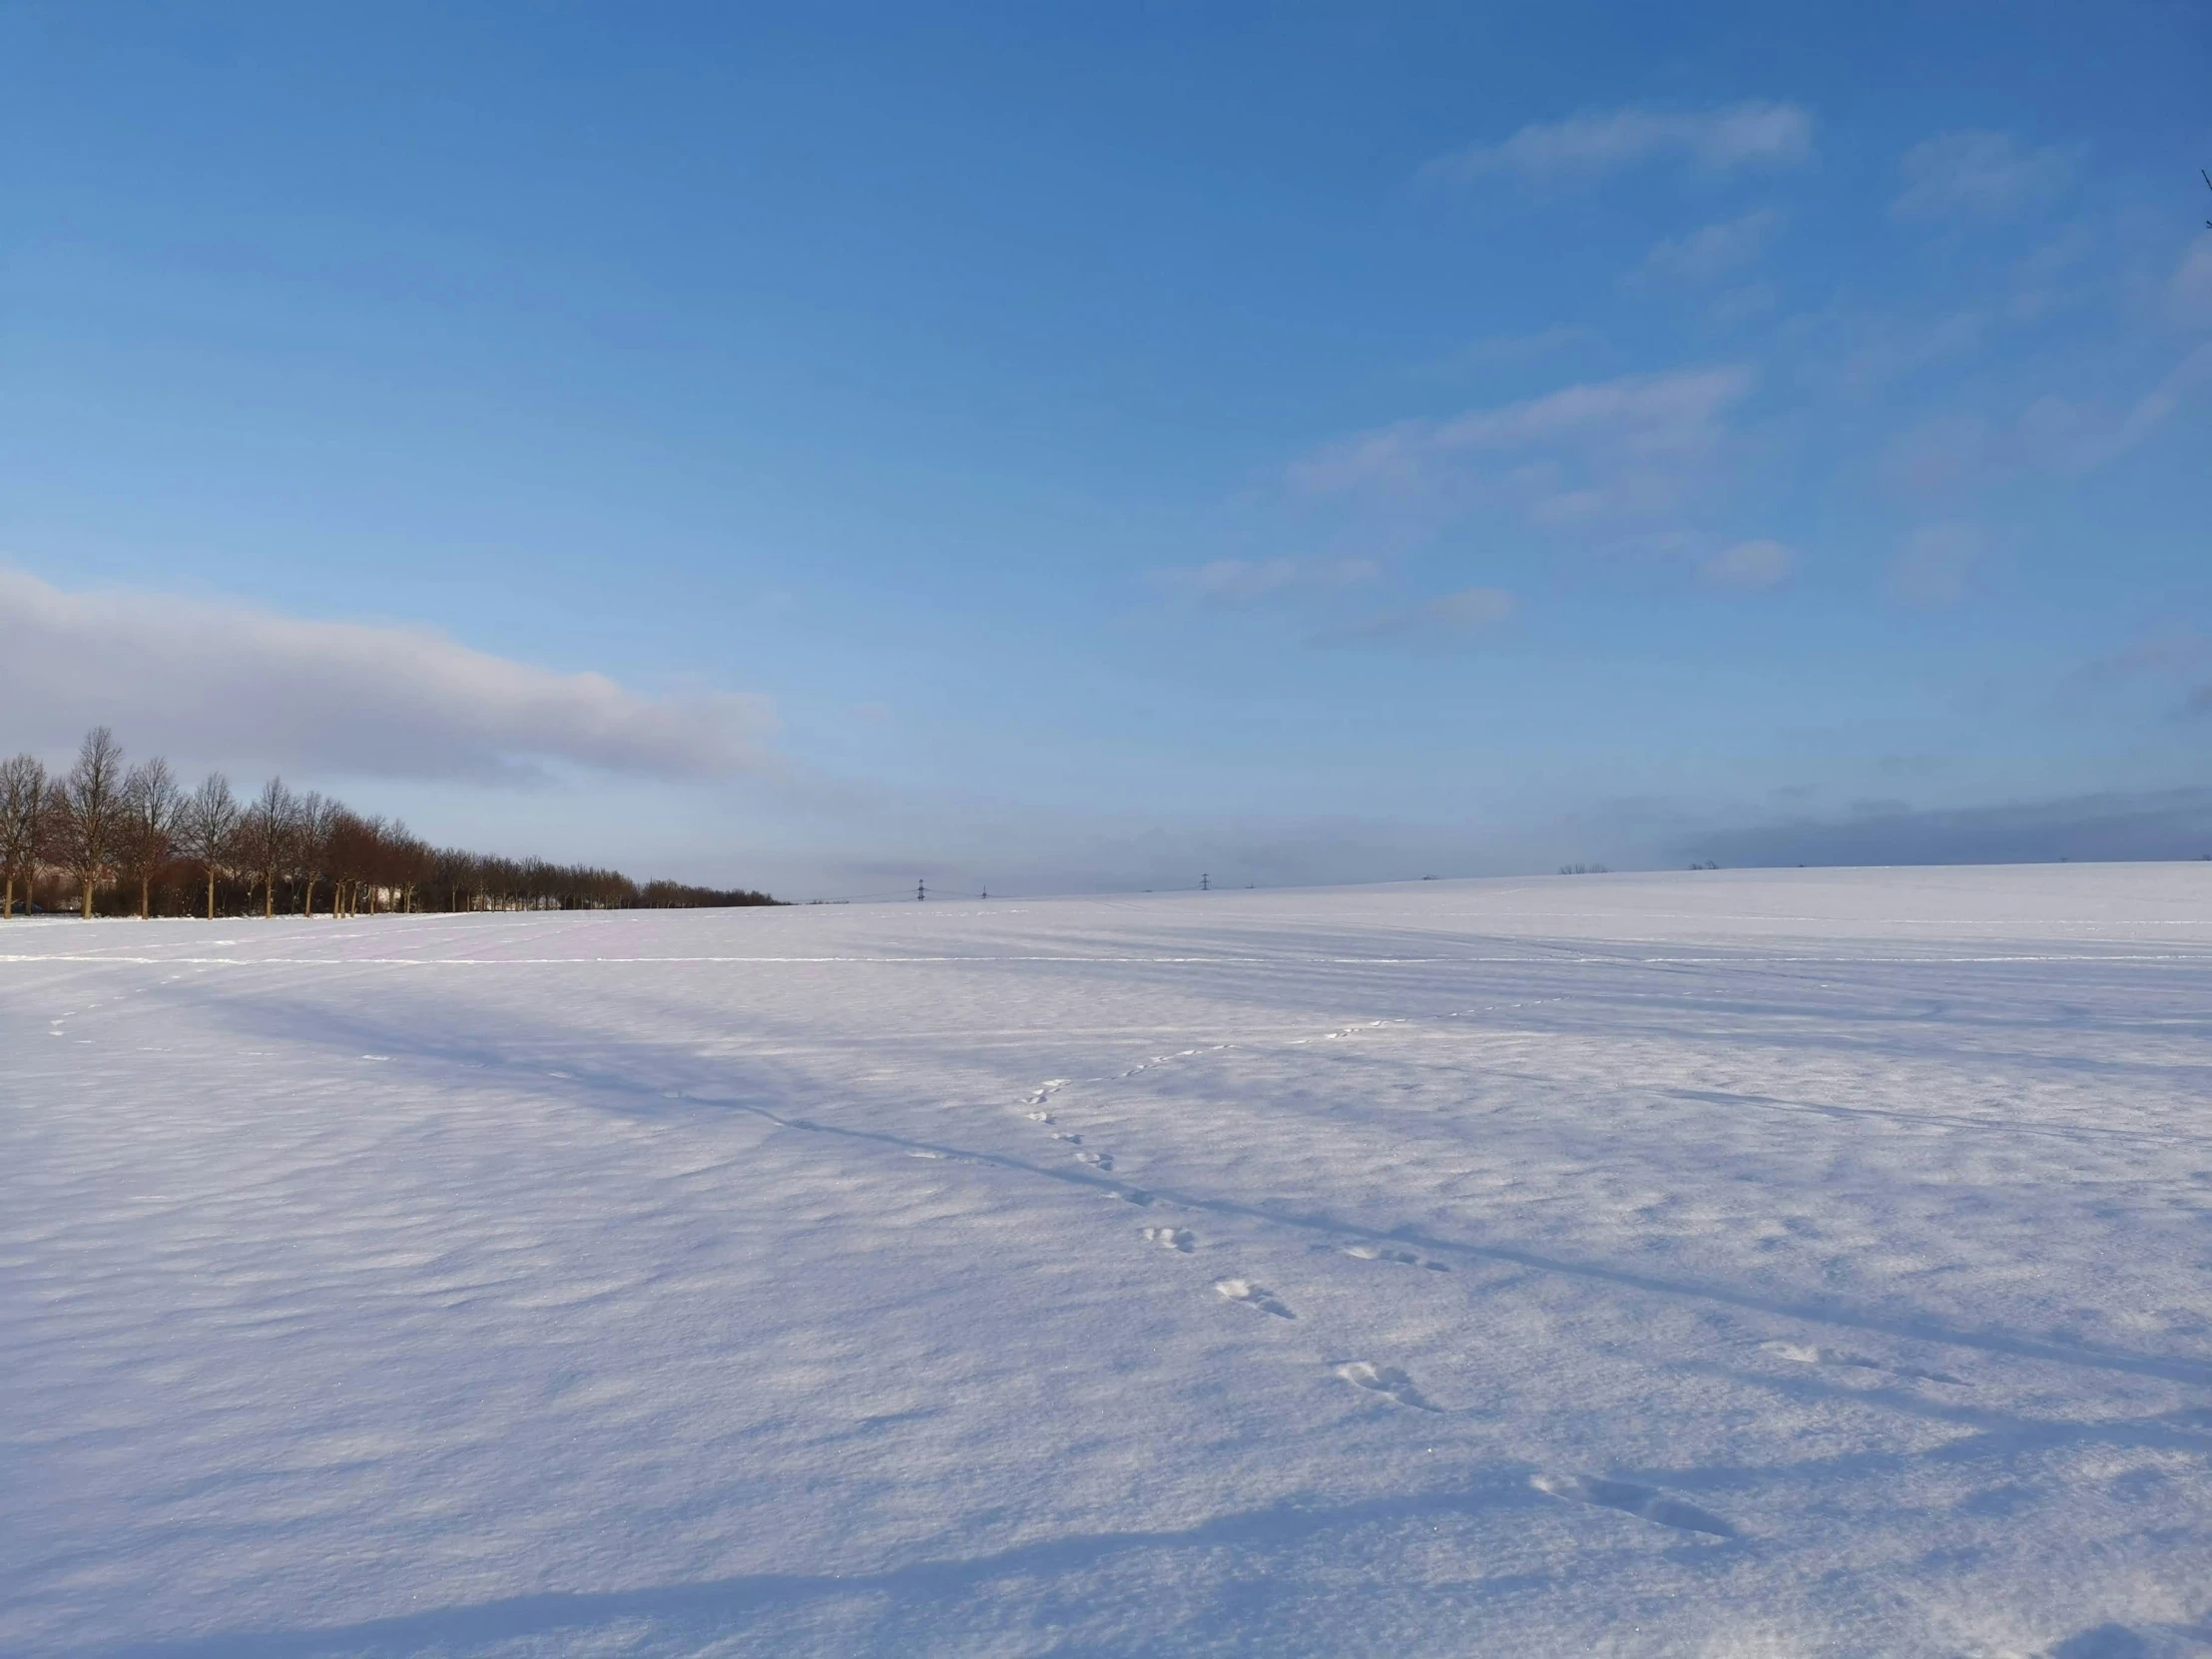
[148,826]
[410,865]
[88,810]
[354,845]
[264,839]
[315,818]
[206,828]
[101,820]
[22,825]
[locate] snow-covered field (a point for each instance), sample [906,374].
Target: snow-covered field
[1805,1263]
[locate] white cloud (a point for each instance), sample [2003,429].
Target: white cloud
[1943,458]
[2050,278]
[226,683]
[1712,251]
[2189,290]
[1900,351]
[1981,173]
[1748,564]
[1232,581]
[2182,655]
[1583,455]
[1743,303]
[1930,568]
[1509,349]
[1448,617]
[1739,135]
[2070,439]
[1949,458]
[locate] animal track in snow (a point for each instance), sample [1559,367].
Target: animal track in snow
[1072,1140]
[1246,1294]
[1348,1030]
[1045,1091]
[1040,1117]
[1100,1161]
[1180,1054]
[1644,1503]
[1366,1252]
[1387,1380]
[1172,1238]
[1809,1353]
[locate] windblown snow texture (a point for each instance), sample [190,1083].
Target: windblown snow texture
[1809,1262]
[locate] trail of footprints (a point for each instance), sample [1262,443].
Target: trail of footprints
[1387,1380]
[1362,1250]
[1810,1354]
[1393,1382]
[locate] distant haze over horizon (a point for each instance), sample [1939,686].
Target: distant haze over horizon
[1044,452]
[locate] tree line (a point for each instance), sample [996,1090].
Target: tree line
[132,840]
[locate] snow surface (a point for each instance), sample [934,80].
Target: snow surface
[1806,1263]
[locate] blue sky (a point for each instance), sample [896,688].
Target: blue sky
[1068,449]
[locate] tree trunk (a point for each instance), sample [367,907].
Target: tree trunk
[7,910]
[268,899]
[146,897]
[306,905]
[88,898]
[211,895]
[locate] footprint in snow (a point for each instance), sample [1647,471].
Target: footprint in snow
[1366,1252]
[1102,1161]
[1072,1140]
[1810,1354]
[1172,1238]
[1644,1503]
[1387,1380]
[1246,1294]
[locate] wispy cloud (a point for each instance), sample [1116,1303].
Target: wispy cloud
[1499,350]
[1448,618]
[1942,458]
[234,684]
[1748,565]
[1760,133]
[1508,348]
[2070,438]
[2189,288]
[2183,656]
[1712,251]
[1237,581]
[1897,349]
[2163,654]
[1586,454]
[2168,824]
[1941,463]
[1984,173]
[1930,568]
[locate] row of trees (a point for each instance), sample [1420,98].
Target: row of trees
[133,832]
